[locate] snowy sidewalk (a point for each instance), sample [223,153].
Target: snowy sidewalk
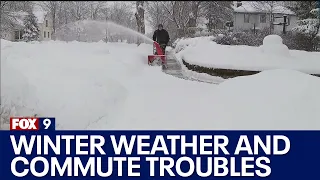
[174,68]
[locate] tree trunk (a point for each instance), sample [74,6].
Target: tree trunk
[54,25]
[210,24]
[140,19]
[271,25]
[193,16]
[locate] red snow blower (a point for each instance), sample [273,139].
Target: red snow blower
[158,57]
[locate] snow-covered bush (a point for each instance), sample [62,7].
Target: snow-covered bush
[226,40]
[299,41]
[182,43]
[273,45]
[31,29]
[307,26]
[315,11]
[308,30]
[243,38]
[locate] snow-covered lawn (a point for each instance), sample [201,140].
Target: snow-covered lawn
[271,55]
[110,86]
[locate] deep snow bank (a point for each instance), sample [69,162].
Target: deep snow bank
[80,84]
[275,99]
[185,43]
[110,86]
[16,91]
[272,55]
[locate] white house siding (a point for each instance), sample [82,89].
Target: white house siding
[254,18]
[239,23]
[292,23]
[45,29]
[10,35]
[7,35]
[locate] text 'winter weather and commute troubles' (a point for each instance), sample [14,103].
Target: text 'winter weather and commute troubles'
[157,155]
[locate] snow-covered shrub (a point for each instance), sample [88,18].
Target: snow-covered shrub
[293,40]
[299,41]
[308,31]
[273,45]
[307,26]
[226,40]
[243,38]
[31,29]
[181,43]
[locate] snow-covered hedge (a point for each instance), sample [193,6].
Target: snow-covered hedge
[309,29]
[230,61]
[294,40]
[307,26]
[181,44]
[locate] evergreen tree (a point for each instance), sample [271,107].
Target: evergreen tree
[309,18]
[309,22]
[31,29]
[303,9]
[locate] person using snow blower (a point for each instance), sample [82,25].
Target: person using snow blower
[161,36]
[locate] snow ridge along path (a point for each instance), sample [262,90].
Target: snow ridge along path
[175,68]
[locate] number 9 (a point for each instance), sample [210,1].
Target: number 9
[46,123]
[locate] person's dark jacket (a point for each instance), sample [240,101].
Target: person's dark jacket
[161,36]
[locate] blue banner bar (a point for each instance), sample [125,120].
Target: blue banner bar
[278,155]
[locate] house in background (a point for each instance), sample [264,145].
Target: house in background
[15,32]
[249,16]
[45,24]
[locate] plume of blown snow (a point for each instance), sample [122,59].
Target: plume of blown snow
[95,31]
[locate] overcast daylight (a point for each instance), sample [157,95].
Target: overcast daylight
[98,65]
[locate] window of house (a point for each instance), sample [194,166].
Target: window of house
[48,35]
[246,18]
[44,34]
[288,20]
[263,18]
[21,34]
[46,23]
[16,34]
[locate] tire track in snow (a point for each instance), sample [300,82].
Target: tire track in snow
[113,105]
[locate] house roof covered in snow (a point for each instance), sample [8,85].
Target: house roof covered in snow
[39,13]
[261,7]
[18,16]
[40,16]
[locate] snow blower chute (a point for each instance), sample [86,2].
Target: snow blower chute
[158,57]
